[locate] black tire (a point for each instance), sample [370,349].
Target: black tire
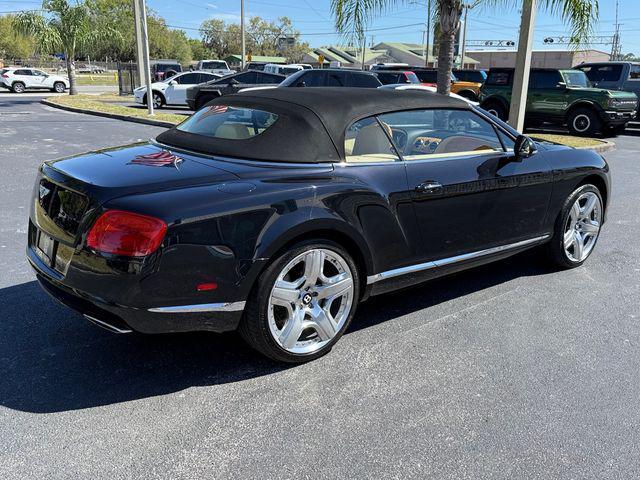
[156,95]
[204,99]
[555,248]
[59,87]
[496,109]
[254,327]
[18,87]
[583,122]
[469,95]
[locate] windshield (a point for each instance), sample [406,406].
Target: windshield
[233,123]
[477,76]
[214,65]
[576,79]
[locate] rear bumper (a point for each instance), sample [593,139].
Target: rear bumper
[214,317]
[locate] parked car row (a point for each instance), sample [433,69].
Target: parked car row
[19,80]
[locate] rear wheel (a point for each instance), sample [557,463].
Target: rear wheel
[583,121]
[158,100]
[302,303]
[469,95]
[18,87]
[59,87]
[577,228]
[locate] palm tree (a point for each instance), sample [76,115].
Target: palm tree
[352,17]
[65,28]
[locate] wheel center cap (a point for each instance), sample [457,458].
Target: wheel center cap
[306,298]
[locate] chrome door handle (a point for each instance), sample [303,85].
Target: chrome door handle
[429,188]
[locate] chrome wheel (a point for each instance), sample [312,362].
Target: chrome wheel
[582,227]
[59,87]
[310,301]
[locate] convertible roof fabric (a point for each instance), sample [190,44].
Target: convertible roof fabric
[311,121]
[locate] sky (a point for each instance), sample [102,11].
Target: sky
[403,24]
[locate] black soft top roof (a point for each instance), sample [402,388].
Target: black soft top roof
[311,121]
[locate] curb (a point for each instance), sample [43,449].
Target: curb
[606,146]
[115,116]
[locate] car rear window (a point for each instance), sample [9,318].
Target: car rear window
[213,65]
[232,123]
[427,76]
[602,73]
[477,76]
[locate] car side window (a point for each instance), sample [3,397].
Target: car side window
[363,80]
[313,78]
[634,72]
[205,77]
[22,72]
[365,141]
[441,133]
[506,140]
[246,77]
[545,79]
[187,79]
[336,79]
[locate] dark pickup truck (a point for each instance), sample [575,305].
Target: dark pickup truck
[563,97]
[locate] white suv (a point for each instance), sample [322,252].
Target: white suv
[20,79]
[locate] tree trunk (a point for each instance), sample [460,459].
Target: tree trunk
[71,73]
[449,12]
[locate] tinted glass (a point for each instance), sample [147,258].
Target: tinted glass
[545,79]
[337,79]
[477,76]
[365,141]
[634,72]
[206,77]
[288,70]
[499,77]
[409,77]
[313,79]
[364,80]
[246,77]
[576,79]
[266,78]
[213,65]
[427,76]
[22,72]
[424,134]
[387,77]
[507,141]
[221,121]
[188,79]
[602,73]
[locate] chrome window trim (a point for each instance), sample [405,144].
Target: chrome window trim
[396,272]
[203,307]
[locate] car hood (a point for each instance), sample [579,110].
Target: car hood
[137,168]
[611,93]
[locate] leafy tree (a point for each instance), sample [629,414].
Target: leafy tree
[12,43]
[63,28]
[198,49]
[353,16]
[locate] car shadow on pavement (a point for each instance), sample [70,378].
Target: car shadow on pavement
[52,360]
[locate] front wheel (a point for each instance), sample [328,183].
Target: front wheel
[59,87]
[583,121]
[497,110]
[302,303]
[577,228]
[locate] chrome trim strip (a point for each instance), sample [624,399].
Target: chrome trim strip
[448,261]
[203,307]
[107,326]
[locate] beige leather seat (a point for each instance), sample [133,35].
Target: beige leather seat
[232,131]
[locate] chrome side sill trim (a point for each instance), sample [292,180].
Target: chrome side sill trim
[107,326]
[448,261]
[203,307]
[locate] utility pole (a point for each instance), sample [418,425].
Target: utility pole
[616,48]
[523,65]
[145,54]
[426,57]
[137,20]
[242,63]
[464,36]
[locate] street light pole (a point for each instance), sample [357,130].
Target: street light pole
[426,57]
[242,63]
[464,36]
[523,65]
[137,21]
[145,54]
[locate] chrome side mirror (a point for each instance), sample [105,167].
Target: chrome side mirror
[524,147]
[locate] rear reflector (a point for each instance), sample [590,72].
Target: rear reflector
[204,287]
[126,233]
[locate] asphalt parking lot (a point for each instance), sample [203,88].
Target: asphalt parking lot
[508,371]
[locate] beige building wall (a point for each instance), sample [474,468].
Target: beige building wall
[539,59]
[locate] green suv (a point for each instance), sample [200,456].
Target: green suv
[563,97]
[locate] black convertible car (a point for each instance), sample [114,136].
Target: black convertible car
[276,212]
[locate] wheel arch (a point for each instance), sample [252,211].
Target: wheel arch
[468,93]
[599,182]
[583,103]
[495,98]
[164,99]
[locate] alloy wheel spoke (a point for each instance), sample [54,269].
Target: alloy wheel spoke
[285,293]
[569,238]
[293,329]
[336,286]
[323,323]
[591,227]
[578,246]
[588,208]
[575,213]
[313,263]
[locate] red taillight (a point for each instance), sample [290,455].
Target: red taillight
[126,233]
[4,75]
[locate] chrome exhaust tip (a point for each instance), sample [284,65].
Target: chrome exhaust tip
[107,326]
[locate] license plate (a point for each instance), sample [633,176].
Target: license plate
[45,247]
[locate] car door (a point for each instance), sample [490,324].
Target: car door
[176,92]
[548,95]
[25,76]
[337,79]
[40,79]
[468,189]
[240,81]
